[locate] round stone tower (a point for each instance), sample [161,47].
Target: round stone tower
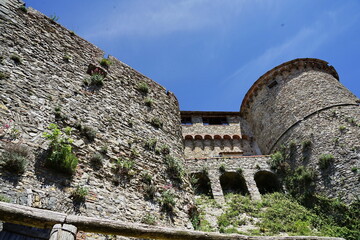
[302,102]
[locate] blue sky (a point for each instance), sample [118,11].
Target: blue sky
[210,52]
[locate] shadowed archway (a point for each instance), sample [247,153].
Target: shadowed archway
[233,182]
[267,182]
[201,184]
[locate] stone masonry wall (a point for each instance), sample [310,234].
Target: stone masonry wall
[308,103]
[334,131]
[47,86]
[301,90]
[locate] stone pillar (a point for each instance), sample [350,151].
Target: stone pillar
[63,232]
[251,185]
[216,186]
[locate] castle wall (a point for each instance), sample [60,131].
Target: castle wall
[204,141]
[294,102]
[54,65]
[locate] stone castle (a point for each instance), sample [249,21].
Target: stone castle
[44,78]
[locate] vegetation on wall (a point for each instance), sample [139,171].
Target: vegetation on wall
[15,157]
[279,213]
[175,168]
[61,156]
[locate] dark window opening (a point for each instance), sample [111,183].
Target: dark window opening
[201,184]
[233,182]
[215,121]
[186,121]
[267,182]
[272,84]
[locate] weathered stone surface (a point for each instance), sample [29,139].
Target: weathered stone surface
[307,102]
[50,75]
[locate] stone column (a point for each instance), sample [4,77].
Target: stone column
[63,232]
[216,186]
[251,185]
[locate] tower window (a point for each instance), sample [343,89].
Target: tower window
[186,121]
[215,121]
[272,84]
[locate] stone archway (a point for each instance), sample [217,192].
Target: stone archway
[267,182]
[202,184]
[233,182]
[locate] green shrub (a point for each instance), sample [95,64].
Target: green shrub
[284,214]
[124,166]
[149,191]
[150,144]
[342,128]
[146,177]
[79,194]
[105,63]
[97,159]
[4,75]
[240,171]
[54,18]
[222,168]
[59,115]
[23,8]
[300,182]
[134,153]
[174,167]
[16,59]
[306,144]
[325,160]
[156,123]
[194,216]
[276,159]
[104,149]
[143,87]
[164,149]
[354,169]
[88,132]
[167,200]
[148,102]
[61,157]
[194,180]
[67,58]
[4,199]
[95,80]
[149,219]
[14,158]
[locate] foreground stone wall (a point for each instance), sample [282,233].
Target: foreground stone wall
[302,100]
[44,67]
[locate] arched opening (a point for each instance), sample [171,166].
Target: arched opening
[233,182]
[188,137]
[227,137]
[201,184]
[267,182]
[236,137]
[198,137]
[207,137]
